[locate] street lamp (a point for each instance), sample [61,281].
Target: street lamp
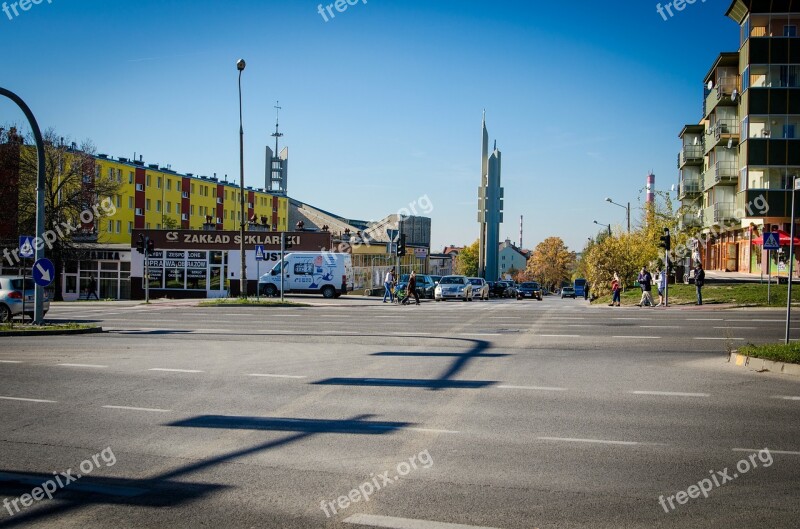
[627,211]
[240,64]
[605,225]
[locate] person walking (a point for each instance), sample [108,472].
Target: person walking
[388,283]
[92,290]
[615,291]
[699,281]
[661,278]
[412,287]
[646,282]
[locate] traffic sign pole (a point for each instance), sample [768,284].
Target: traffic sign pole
[791,266]
[283,271]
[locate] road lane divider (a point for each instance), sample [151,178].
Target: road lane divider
[670,394]
[390,522]
[168,370]
[29,400]
[131,408]
[270,375]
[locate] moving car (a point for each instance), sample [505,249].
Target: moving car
[530,289]
[425,285]
[453,287]
[581,288]
[326,273]
[568,292]
[12,295]
[480,288]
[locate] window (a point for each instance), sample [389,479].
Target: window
[169,207]
[147,226]
[178,185]
[119,176]
[147,204]
[119,226]
[139,187]
[139,212]
[169,184]
[789,31]
[178,209]
[192,189]
[148,180]
[158,206]
[130,177]
[110,173]
[158,182]
[130,227]
[119,201]
[191,209]
[110,226]
[130,202]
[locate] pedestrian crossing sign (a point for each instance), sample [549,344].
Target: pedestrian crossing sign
[771,241]
[26,246]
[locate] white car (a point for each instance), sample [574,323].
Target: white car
[453,287]
[480,288]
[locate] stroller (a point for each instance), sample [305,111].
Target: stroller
[400,295]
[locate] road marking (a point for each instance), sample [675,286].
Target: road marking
[390,522]
[560,335]
[28,400]
[593,441]
[426,430]
[175,370]
[765,321]
[660,327]
[479,334]
[784,452]
[670,394]
[136,409]
[533,388]
[267,375]
[716,338]
[637,337]
[10,362]
[737,328]
[505,317]
[704,319]
[787,398]
[411,333]
[94,366]
[635,319]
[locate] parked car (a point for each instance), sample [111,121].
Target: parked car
[497,289]
[530,289]
[480,288]
[511,289]
[435,279]
[12,295]
[568,292]
[425,285]
[453,287]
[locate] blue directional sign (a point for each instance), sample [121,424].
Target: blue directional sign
[44,272]
[772,241]
[26,249]
[260,256]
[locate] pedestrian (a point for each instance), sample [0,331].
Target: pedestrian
[699,281]
[388,283]
[615,291]
[92,290]
[646,282]
[661,278]
[412,287]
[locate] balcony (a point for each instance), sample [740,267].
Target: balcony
[689,187]
[690,220]
[726,172]
[726,86]
[724,212]
[690,154]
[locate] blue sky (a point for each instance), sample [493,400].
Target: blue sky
[382,104]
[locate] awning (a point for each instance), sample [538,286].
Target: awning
[783,236]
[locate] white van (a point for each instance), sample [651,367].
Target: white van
[326,273]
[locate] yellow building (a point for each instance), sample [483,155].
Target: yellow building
[153,197]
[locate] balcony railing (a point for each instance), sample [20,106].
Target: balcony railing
[726,172]
[689,187]
[690,220]
[690,154]
[726,127]
[724,212]
[726,86]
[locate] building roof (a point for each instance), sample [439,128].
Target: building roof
[449,250]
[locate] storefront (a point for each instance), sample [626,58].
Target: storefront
[207,264]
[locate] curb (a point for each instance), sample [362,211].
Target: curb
[63,332]
[761,365]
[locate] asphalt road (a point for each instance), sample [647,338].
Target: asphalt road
[499,414]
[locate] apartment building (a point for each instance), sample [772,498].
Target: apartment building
[738,163]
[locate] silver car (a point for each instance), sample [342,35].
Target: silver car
[453,287]
[480,288]
[11,297]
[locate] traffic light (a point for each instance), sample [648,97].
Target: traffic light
[287,241]
[151,247]
[140,244]
[401,245]
[666,240]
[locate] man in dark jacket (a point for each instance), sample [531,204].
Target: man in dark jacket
[699,281]
[646,282]
[412,287]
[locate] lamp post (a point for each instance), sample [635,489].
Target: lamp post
[627,211]
[38,300]
[795,183]
[604,225]
[240,64]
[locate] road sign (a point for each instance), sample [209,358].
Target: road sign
[772,241]
[392,234]
[26,246]
[420,253]
[44,272]
[260,256]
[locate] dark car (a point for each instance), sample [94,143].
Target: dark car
[425,285]
[530,289]
[511,289]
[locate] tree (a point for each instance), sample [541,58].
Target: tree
[623,254]
[76,196]
[551,263]
[466,262]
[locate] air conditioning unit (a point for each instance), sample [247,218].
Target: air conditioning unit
[184,216]
[139,187]
[139,212]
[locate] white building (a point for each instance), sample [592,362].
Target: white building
[510,256]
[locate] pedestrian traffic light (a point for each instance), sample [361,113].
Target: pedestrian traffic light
[140,244]
[287,241]
[666,240]
[151,247]
[401,245]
